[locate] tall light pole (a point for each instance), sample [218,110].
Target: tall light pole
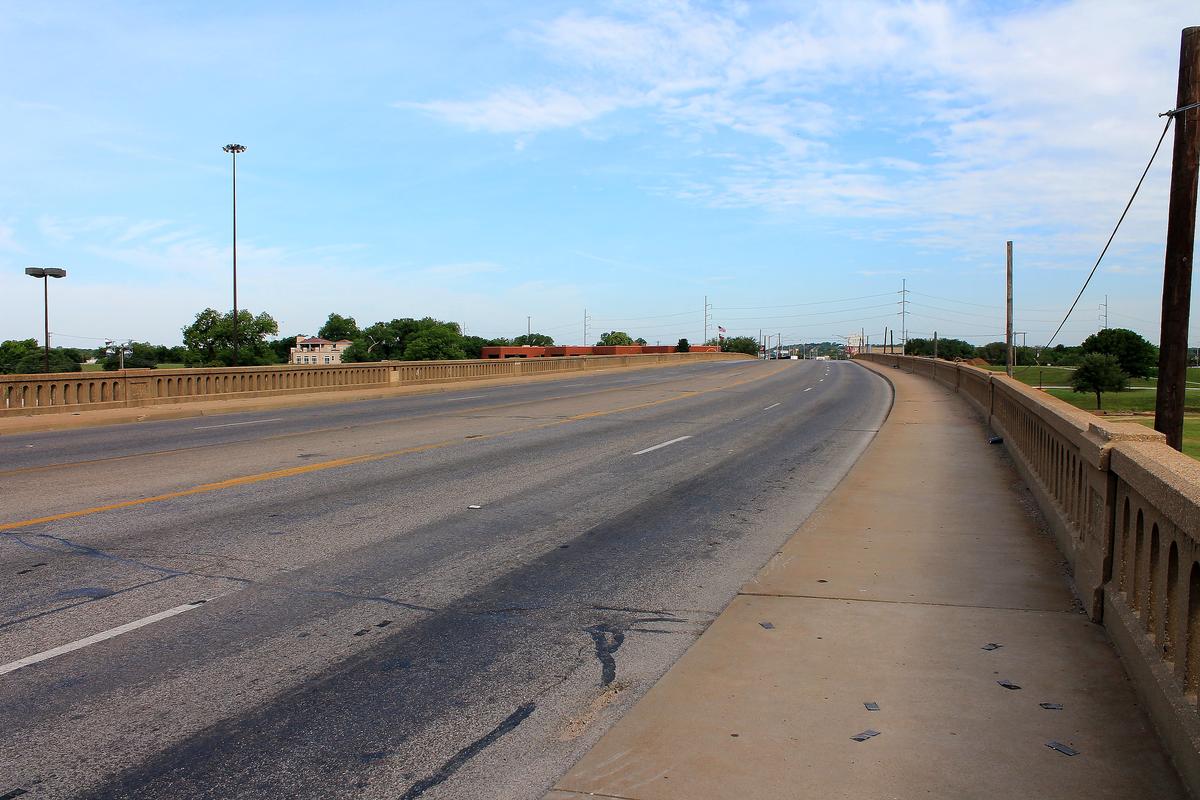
[233,150]
[45,273]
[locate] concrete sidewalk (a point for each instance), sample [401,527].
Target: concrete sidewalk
[929,550]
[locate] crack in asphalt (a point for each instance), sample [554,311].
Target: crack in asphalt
[47,612]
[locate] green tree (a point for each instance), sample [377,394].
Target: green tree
[388,341]
[282,348]
[640,341]
[683,346]
[140,355]
[994,352]
[210,338]
[435,343]
[740,344]
[614,338]
[13,351]
[1137,356]
[948,349]
[338,327]
[473,345]
[26,357]
[533,340]
[62,359]
[1099,372]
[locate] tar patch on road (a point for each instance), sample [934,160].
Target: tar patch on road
[608,640]
[470,751]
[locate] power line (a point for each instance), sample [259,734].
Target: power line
[820,313]
[1113,235]
[798,305]
[966,303]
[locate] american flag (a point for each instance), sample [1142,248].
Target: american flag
[720,329]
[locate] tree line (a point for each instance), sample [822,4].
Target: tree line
[1137,357]
[210,339]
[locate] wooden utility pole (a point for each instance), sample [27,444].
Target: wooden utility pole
[1181,237]
[1008,325]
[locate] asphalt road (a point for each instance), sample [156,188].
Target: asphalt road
[445,596]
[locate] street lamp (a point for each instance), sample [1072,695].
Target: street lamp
[44,273]
[233,150]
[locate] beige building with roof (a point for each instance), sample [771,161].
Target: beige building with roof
[315,350]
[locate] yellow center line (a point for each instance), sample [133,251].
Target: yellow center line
[319,466]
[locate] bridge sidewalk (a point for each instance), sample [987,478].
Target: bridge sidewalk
[928,551]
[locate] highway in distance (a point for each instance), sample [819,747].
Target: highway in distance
[446,595]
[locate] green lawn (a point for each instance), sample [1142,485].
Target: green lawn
[1039,376]
[1061,376]
[1140,400]
[1191,433]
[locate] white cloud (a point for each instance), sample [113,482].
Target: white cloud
[517,110]
[1032,124]
[8,239]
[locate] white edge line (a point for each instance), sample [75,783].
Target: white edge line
[99,637]
[768,408]
[664,444]
[231,424]
[472,397]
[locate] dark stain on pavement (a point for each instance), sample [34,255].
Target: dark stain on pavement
[470,751]
[90,592]
[608,640]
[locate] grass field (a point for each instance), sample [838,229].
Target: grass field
[1191,433]
[1136,400]
[1061,376]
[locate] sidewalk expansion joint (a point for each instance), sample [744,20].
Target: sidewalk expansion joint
[905,602]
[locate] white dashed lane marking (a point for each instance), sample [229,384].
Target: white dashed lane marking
[658,446]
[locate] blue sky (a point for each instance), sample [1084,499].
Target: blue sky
[484,162]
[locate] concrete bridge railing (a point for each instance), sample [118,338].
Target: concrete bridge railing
[67,392]
[1125,511]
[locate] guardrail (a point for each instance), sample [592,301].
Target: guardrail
[1124,509]
[68,392]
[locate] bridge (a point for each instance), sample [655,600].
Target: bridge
[716,577]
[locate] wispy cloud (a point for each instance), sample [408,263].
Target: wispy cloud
[1017,123]
[518,110]
[8,239]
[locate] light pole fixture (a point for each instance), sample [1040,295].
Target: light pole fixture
[233,150]
[45,273]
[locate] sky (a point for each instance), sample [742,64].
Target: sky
[537,164]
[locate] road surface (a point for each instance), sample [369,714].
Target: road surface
[438,596]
